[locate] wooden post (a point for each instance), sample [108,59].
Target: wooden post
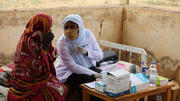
[146,98]
[85,95]
[169,94]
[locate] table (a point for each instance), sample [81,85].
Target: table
[86,92]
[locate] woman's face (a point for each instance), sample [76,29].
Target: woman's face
[71,30]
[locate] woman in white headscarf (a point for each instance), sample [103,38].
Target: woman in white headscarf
[78,52]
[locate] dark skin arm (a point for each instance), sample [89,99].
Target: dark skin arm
[47,40]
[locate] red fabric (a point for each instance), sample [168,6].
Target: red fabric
[1,70]
[34,67]
[11,66]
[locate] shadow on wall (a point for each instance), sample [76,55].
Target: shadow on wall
[166,65]
[6,59]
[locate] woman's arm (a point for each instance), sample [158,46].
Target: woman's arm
[94,50]
[68,61]
[53,53]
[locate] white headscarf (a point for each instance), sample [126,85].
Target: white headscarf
[80,59]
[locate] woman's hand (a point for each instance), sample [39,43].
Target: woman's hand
[97,75]
[47,40]
[81,50]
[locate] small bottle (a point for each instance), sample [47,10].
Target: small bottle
[153,74]
[144,70]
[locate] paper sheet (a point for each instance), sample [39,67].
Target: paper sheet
[91,84]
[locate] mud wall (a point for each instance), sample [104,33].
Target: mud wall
[157,32]
[104,22]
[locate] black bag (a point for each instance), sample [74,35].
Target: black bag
[109,57]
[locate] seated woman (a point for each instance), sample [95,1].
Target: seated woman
[34,75]
[79,51]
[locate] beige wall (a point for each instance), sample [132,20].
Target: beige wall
[154,30]
[158,32]
[12,23]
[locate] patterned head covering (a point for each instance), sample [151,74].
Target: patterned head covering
[33,65]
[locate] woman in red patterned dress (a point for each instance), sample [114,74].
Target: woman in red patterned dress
[34,75]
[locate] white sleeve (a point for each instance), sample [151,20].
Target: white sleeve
[94,50]
[68,61]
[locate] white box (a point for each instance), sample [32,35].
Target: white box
[138,82]
[100,86]
[117,81]
[162,80]
[104,77]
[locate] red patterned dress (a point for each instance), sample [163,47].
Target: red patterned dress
[34,75]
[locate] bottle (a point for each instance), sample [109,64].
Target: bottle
[144,70]
[153,74]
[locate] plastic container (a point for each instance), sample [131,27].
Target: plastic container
[153,74]
[145,70]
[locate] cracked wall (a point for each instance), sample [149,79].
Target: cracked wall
[104,22]
[166,65]
[156,31]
